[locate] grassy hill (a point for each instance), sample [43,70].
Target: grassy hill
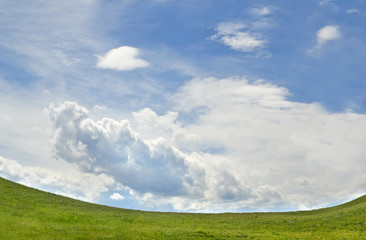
[27,213]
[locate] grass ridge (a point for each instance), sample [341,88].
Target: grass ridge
[27,213]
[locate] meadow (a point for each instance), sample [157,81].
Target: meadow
[27,213]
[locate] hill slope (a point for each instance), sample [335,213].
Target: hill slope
[27,213]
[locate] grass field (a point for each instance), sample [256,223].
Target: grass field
[27,213]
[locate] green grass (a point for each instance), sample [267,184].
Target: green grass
[27,213]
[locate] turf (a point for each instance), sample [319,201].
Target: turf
[27,213]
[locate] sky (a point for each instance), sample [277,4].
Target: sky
[187,106]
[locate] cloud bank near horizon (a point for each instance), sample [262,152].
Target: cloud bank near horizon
[247,146]
[84,186]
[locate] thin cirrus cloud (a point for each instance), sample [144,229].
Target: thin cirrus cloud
[352,11]
[124,58]
[238,37]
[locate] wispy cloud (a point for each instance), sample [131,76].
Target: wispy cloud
[237,36]
[352,11]
[262,11]
[328,4]
[48,34]
[124,58]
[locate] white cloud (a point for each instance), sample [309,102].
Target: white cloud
[112,147]
[151,126]
[238,37]
[327,33]
[328,4]
[124,58]
[116,196]
[299,153]
[353,10]
[230,27]
[263,11]
[325,2]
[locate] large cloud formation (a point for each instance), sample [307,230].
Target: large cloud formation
[305,153]
[242,146]
[112,147]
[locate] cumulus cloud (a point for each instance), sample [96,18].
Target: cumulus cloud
[151,165]
[150,125]
[112,147]
[324,36]
[124,58]
[237,36]
[116,196]
[327,33]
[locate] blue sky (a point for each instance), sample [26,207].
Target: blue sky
[167,105]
